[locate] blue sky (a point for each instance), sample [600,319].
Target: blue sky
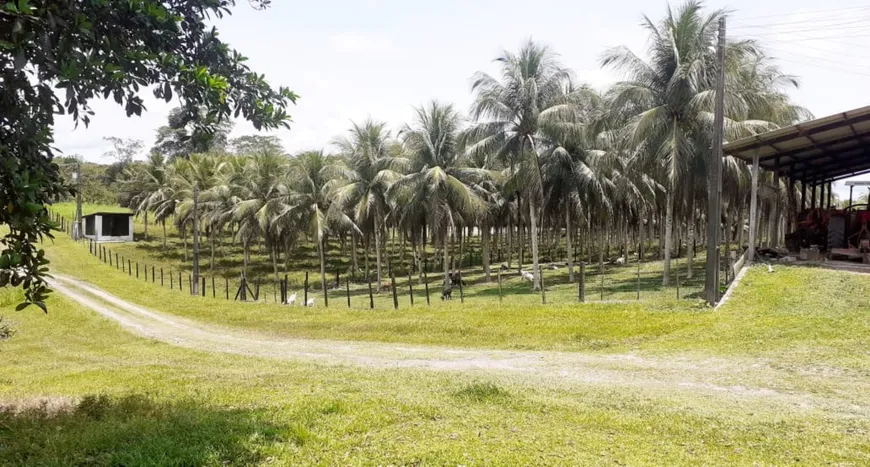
[353,59]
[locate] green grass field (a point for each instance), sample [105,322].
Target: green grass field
[615,283]
[76,389]
[763,320]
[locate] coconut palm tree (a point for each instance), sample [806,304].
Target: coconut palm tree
[366,172]
[534,92]
[439,187]
[310,204]
[264,192]
[668,100]
[143,181]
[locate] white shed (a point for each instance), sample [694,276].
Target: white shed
[109,226]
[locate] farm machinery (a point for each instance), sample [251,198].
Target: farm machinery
[842,233]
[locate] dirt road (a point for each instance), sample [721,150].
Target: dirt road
[733,378]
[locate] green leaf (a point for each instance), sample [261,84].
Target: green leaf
[11,6]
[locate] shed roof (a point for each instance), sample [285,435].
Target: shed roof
[822,150]
[107,213]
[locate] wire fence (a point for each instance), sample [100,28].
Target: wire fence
[406,285]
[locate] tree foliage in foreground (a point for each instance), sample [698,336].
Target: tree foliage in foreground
[57,56]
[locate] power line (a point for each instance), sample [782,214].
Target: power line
[811,57]
[855,26]
[801,38]
[807,12]
[805,46]
[824,67]
[809,22]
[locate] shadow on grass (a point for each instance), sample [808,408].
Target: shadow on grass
[131,430]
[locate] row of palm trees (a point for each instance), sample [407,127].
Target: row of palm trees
[539,158]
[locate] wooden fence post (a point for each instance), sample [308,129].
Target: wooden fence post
[371,297]
[347,288]
[638,274]
[410,288]
[305,296]
[161,277]
[227,287]
[499,284]
[426,284]
[461,290]
[581,284]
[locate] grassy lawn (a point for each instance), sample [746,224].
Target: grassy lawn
[795,315]
[77,390]
[614,283]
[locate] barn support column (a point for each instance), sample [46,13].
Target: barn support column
[753,210]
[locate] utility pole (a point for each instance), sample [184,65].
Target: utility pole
[77,176]
[714,178]
[194,287]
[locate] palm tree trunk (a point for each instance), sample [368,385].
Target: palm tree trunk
[353,250]
[320,248]
[184,239]
[211,243]
[164,234]
[245,257]
[690,240]
[740,229]
[510,245]
[669,235]
[273,254]
[366,257]
[533,231]
[569,247]
[444,258]
[146,225]
[378,251]
[484,245]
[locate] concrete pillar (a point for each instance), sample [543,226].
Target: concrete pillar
[753,210]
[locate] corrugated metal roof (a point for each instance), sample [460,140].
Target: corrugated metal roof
[106,213]
[821,150]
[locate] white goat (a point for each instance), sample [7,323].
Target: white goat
[291,300]
[527,276]
[310,302]
[620,261]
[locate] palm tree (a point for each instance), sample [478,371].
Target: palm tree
[534,92]
[311,204]
[667,101]
[264,193]
[367,171]
[439,188]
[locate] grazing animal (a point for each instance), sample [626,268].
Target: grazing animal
[554,267]
[447,293]
[291,300]
[310,302]
[387,285]
[503,267]
[456,280]
[527,276]
[620,261]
